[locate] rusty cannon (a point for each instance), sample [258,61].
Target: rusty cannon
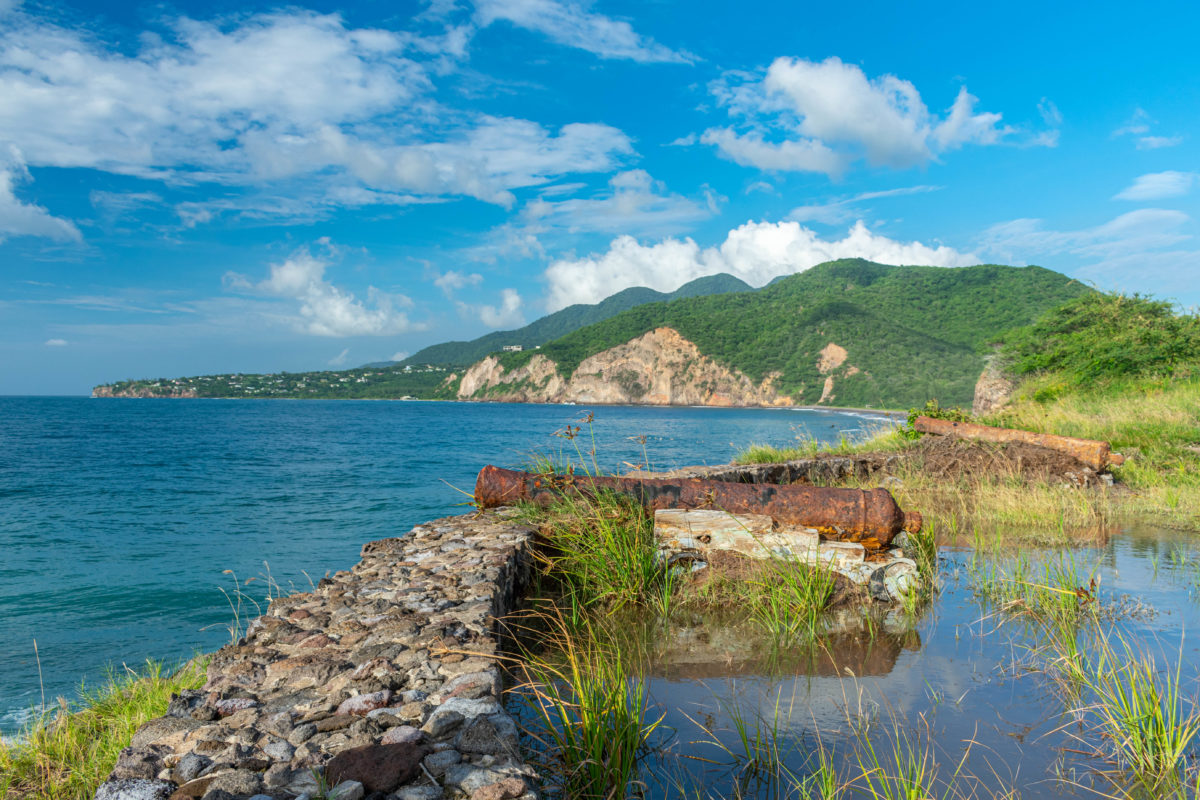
[851,514]
[1097,455]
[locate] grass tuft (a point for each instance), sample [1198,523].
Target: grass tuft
[65,754]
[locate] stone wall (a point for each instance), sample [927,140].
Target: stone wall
[381,683]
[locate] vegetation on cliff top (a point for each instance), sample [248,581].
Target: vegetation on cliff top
[911,332]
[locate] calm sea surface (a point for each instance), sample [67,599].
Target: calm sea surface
[120,520]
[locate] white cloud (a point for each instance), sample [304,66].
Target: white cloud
[832,115]
[506,315]
[18,218]
[347,112]
[571,24]
[452,280]
[325,309]
[56,343]
[1139,126]
[399,355]
[1156,142]
[843,209]
[634,203]
[756,252]
[1128,234]
[1138,251]
[340,358]
[1158,185]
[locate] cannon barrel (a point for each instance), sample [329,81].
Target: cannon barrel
[1097,455]
[854,514]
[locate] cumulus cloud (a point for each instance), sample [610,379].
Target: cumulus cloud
[756,252]
[833,115]
[453,280]
[634,203]
[324,309]
[1158,185]
[56,343]
[571,24]
[506,315]
[18,218]
[272,97]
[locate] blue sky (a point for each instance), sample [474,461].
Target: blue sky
[195,188]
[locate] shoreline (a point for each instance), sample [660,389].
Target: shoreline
[889,412]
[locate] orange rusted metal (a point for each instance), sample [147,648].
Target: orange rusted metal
[1097,455]
[849,514]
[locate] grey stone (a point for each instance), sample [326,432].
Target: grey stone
[485,736]
[278,749]
[438,763]
[190,767]
[156,729]
[442,723]
[237,782]
[468,777]
[134,789]
[346,790]
[302,733]
[418,793]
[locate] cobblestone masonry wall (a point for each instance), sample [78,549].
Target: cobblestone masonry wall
[378,684]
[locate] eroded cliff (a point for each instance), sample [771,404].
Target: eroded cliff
[657,368]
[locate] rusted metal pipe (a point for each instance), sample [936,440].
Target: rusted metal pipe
[849,514]
[1097,455]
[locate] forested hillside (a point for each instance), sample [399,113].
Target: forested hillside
[911,333]
[569,319]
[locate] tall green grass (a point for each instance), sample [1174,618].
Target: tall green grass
[65,754]
[1143,714]
[591,721]
[600,551]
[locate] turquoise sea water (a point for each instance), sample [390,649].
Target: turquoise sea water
[120,518]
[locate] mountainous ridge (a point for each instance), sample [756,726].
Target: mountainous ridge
[560,323]
[850,333]
[911,332]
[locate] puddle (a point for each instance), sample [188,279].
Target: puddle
[960,685]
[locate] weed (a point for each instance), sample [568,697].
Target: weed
[66,753]
[591,721]
[1142,713]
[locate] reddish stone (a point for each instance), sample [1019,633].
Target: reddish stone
[504,790]
[378,767]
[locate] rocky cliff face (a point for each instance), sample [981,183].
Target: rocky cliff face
[144,392]
[658,368]
[992,390]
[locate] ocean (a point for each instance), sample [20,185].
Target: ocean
[130,529]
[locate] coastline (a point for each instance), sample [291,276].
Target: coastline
[888,412]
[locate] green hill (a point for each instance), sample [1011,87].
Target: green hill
[912,332]
[569,319]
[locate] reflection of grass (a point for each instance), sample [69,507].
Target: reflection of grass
[591,720]
[65,755]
